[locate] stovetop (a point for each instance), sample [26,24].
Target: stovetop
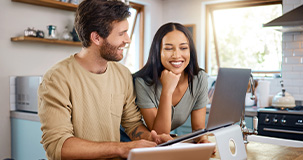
[296,110]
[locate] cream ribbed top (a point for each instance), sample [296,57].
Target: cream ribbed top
[76,102]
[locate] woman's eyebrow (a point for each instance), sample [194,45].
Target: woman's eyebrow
[184,43]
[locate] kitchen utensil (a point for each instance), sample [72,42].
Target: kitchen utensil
[263,93]
[66,35]
[283,99]
[75,35]
[30,32]
[40,34]
[51,34]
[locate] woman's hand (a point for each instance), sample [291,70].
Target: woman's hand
[159,138]
[169,81]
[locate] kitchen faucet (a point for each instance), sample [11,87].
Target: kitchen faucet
[246,131]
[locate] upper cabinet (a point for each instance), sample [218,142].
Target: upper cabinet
[50,3]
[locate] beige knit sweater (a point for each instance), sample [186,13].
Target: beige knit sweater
[76,102]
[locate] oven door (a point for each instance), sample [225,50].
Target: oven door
[286,126]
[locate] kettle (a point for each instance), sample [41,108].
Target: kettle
[283,99]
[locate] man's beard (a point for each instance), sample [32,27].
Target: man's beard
[109,52]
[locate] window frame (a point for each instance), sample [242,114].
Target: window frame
[209,8]
[140,11]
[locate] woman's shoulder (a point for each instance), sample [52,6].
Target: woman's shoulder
[202,74]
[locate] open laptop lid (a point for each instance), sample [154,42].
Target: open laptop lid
[229,97]
[179,151]
[227,104]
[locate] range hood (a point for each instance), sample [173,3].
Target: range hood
[290,21]
[291,18]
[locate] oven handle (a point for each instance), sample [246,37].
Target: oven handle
[282,130]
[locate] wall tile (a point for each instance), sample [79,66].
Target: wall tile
[293,45]
[292,60]
[287,82]
[298,83]
[12,89]
[298,67]
[298,52]
[291,75]
[287,67]
[287,7]
[292,65]
[288,52]
[288,37]
[298,97]
[294,2]
[292,90]
[298,37]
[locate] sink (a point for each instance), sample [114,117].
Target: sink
[275,141]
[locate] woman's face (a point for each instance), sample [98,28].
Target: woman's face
[175,51]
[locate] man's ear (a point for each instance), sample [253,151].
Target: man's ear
[95,38]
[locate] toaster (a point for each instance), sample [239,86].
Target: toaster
[27,93]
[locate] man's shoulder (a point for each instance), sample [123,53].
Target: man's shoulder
[119,68]
[60,69]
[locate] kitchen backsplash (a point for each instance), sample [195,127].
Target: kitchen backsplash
[292,62]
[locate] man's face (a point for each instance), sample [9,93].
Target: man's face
[112,47]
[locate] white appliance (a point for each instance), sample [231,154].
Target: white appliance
[27,93]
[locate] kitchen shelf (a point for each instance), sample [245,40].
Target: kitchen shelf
[50,3]
[43,40]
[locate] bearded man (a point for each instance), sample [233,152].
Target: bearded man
[84,98]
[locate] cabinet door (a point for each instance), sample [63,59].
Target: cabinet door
[26,137]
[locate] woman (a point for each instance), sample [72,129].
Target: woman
[171,86]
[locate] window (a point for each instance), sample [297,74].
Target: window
[133,54]
[235,37]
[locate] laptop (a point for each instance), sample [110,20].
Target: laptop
[227,104]
[179,151]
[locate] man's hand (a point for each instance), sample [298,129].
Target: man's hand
[204,139]
[160,138]
[127,146]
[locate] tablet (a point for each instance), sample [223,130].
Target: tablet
[179,151]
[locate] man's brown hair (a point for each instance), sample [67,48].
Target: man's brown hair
[99,16]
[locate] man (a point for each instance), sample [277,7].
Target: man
[84,98]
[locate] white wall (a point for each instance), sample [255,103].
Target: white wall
[153,20]
[186,12]
[24,58]
[292,62]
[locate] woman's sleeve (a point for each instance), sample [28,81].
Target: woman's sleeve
[145,96]
[202,99]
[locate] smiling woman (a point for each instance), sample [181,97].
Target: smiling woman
[171,86]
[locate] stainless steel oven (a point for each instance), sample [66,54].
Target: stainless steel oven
[279,123]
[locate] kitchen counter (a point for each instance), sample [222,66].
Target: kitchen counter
[258,150]
[250,111]
[25,115]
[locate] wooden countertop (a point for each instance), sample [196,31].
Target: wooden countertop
[263,151]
